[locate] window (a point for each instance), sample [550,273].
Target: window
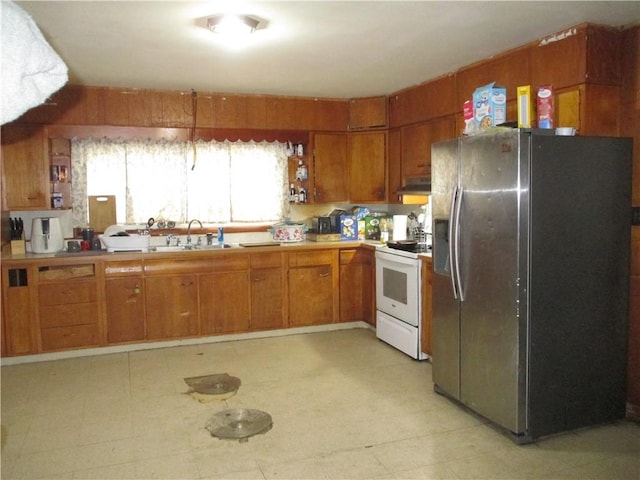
[218,182]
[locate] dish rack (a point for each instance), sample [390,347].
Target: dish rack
[129,243]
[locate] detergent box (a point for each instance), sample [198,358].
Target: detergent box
[490,105]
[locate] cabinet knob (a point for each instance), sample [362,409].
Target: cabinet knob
[136,290]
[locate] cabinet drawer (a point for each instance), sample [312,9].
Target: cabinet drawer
[302,259]
[355,256]
[266,260]
[67,293]
[74,336]
[230,263]
[65,315]
[168,266]
[130,267]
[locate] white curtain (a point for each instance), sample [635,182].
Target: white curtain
[218,182]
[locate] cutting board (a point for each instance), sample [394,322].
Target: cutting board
[260,244]
[102,211]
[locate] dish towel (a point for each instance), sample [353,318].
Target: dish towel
[30,70]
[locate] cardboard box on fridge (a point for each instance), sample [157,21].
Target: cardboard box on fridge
[544,104]
[490,105]
[525,107]
[348,227]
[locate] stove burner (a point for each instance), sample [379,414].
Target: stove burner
[410,246]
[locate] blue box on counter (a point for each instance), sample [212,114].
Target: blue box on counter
[348,227]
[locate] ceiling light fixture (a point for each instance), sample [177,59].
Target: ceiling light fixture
[233,24]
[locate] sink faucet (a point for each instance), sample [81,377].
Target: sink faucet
[189,230]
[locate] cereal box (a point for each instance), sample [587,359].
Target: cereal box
[490,105]
[348,227]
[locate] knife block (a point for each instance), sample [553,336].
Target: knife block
[18,247]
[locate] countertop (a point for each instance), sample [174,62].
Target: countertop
[102,255]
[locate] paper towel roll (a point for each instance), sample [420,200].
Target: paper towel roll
[399,227]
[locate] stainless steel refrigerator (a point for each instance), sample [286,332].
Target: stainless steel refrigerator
[530,284]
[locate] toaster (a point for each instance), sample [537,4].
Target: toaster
[321,224]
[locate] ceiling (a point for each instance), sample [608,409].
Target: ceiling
[308,48]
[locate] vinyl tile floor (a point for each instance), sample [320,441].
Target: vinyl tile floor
[344,406]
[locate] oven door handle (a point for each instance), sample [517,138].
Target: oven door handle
[457,242]
[452,236]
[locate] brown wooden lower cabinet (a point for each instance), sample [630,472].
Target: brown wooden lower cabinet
[58,307]
[224,302]
[68,307]
[356,285]
[18,313]
[310,295]
[124,298]
[172,306]
[313,287]
[267,298]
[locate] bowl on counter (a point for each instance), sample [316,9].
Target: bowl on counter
[286,232]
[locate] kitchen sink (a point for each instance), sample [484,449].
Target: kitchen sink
[185,248]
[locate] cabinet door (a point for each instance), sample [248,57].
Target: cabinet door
[330,168]
[356,285]
[171,303]
[17,314]
[394,162]
[224,302]
[310,295]
[425,338]
[417,141]
[368,112]
[367,167]
[25,167]
[125,309]
[267,298]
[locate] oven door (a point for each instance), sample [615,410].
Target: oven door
[398,286]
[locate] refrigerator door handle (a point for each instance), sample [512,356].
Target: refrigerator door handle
[456,242]
[452,233]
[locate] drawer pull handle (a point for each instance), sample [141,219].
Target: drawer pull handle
[326,274]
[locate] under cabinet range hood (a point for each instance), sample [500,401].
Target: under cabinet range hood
[415,186]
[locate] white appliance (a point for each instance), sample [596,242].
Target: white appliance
[398,299]
[46,235]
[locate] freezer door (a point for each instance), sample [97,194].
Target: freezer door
[493,252]
[445,309]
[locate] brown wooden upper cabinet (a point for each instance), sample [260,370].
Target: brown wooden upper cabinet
[367,113]
[417,141]
[586,54]
[367,167]
[25,167]
[330,173]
